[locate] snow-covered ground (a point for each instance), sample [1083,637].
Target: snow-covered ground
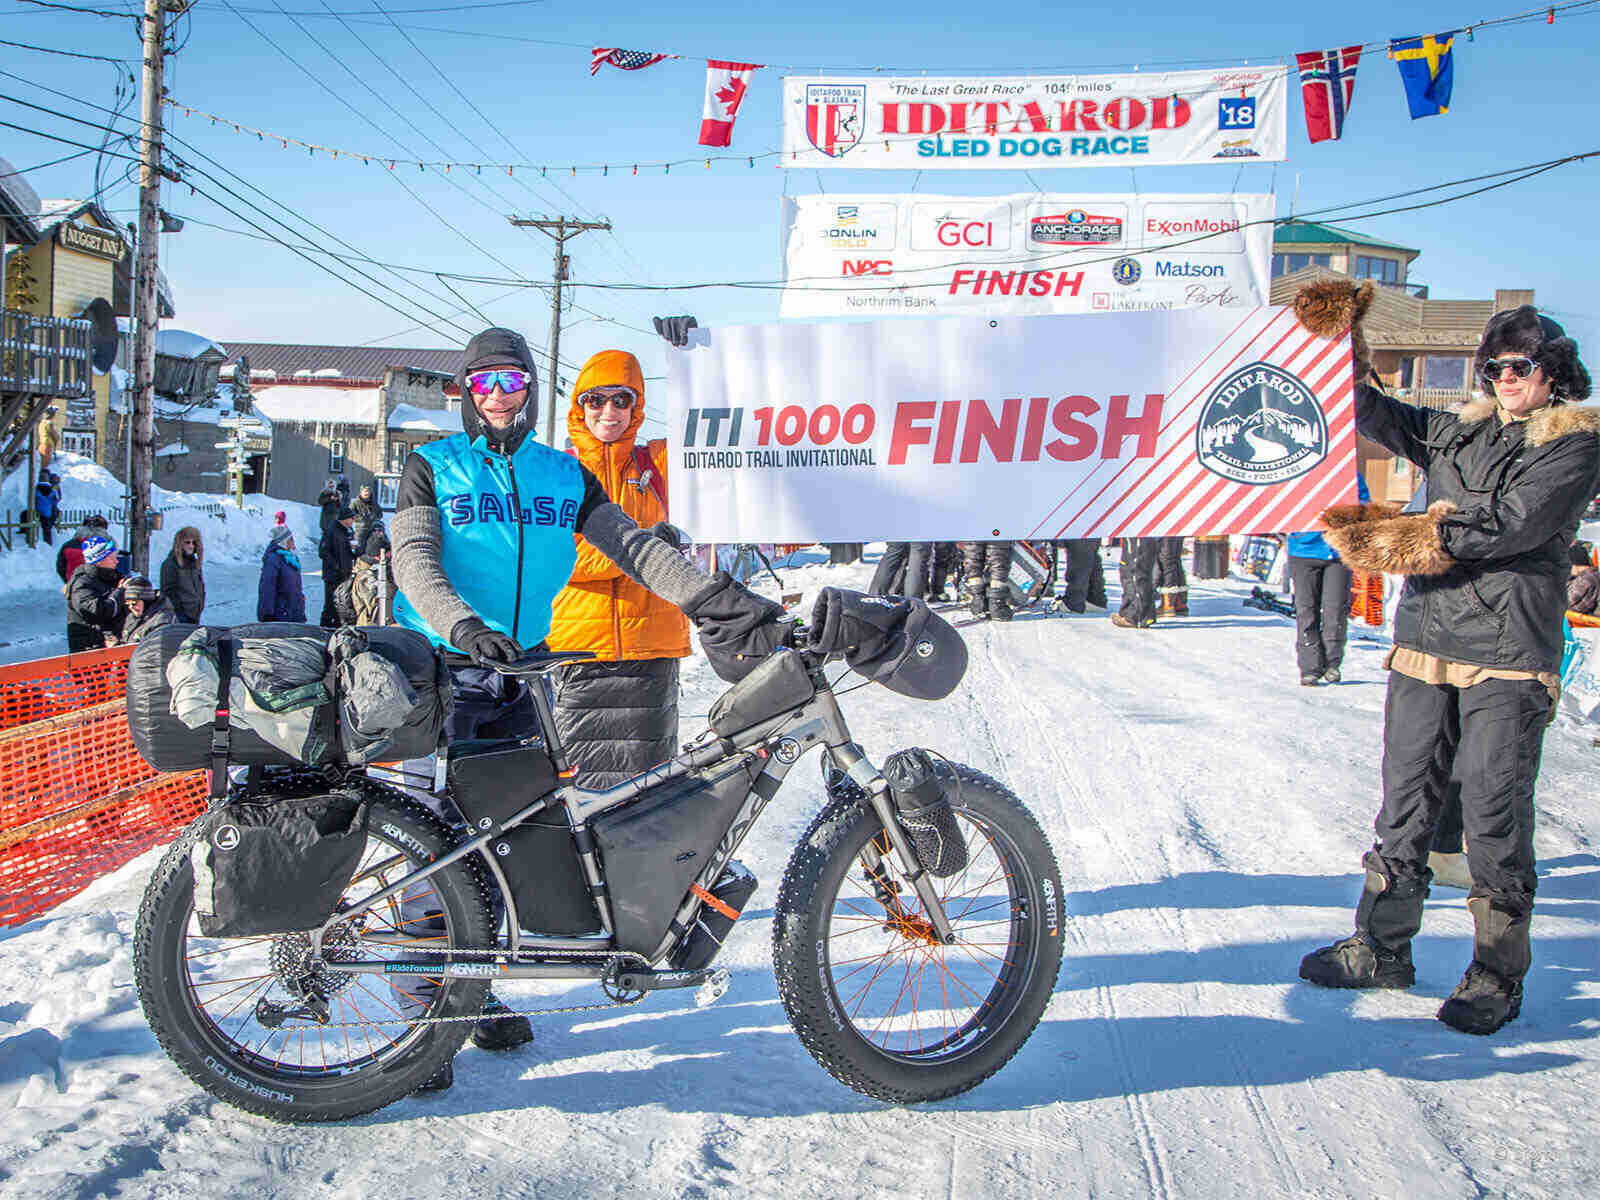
[1209,815]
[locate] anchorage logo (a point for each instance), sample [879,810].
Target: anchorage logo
[1076,228]
[1261,425]
[1126,271]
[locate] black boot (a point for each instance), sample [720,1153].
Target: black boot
[1490,993]
[999,602]
[977,597]
[1379,953]
[497,1031]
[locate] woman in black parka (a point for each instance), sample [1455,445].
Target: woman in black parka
[1477,642]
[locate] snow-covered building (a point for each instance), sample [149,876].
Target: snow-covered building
[327,426]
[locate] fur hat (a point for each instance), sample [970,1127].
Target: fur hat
[1523,331]
[1329,307]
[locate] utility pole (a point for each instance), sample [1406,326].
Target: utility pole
[560,229]
[141,463]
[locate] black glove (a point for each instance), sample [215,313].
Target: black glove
[485,645]
[675,329]
[737,627]
[670,534]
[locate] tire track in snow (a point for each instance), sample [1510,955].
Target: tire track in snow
[1068,772]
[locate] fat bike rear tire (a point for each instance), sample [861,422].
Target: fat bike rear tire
[878,1002]
[199,993]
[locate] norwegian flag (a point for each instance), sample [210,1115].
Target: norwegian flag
[623,60]
[1327,82]
[726,86]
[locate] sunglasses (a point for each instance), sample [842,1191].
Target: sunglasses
[484,382]
[1520,367]
[622,401]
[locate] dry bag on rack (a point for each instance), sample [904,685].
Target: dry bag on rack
[278,865]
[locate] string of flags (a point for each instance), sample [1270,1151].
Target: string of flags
[1426,65]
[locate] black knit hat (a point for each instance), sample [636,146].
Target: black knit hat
[1581,550]
[139,588]
[1524,331]
[497,346]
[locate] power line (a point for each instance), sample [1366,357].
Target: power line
[122,62]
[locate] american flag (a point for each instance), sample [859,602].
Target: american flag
[623,60]
[1327,82]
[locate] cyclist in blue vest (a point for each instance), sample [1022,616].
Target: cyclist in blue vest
[483,540]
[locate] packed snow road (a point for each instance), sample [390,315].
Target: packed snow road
[1208,814]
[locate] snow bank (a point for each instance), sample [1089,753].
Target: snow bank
[231,536]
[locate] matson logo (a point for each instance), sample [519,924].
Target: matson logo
[868,266]
[1189,270]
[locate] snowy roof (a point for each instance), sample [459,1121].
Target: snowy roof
[343,362]
[180,343]
[409,416]
[347,406]
[19,206]
[171,450]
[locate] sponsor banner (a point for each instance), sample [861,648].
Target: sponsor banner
[1026,253]
[1134,424]
[1031,121]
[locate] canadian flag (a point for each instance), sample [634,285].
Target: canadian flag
[726,84]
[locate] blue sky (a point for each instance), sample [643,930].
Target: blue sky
[1523,94]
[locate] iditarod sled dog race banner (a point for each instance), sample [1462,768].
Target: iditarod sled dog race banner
[1136,424]
[920,255]
[1231,115]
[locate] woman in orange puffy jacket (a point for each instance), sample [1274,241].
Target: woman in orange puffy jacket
[618,715]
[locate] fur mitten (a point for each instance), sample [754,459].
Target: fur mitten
[1329,307]
[1403,545]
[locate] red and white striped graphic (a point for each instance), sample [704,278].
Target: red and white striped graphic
[1173,493]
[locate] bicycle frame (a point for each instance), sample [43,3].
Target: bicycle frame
[780,741]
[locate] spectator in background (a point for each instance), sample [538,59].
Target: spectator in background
[147,609]
[889,577]
[368,516]
[338,559]
[1138,573]
[367,606]
[46,502]
[987,568]
[280,517]
[94,596]
[183,580]
[70,557]
[1171,583]
[1083,574]
[946,562]
[1321,603]
[343,488]
[1583,588]
[281,593]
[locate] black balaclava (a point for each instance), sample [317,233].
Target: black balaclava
[496,346]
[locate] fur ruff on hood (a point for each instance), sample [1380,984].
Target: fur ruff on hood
[1555,420]
[1395,545]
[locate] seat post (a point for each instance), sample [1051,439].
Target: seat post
[547,722]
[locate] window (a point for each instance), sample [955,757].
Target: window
[1408,373]
[336,457]
[78,443]
[1445,372]
[397,456]
[1286,264]
[1384,270]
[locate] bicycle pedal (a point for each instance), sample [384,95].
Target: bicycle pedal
[713,989]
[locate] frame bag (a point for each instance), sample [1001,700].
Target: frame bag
[278,866]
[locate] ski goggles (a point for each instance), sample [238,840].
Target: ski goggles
[507,379]
[621,399]
[1520,367]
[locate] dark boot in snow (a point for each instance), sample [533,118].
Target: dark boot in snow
[1379,953]
[978,597]
[441,1080]
[999,602]
[1490,993]
[497,1031]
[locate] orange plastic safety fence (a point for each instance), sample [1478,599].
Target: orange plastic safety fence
[1366,597]
[76,800]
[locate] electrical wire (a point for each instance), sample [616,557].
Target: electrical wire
[123,62]
[51,163]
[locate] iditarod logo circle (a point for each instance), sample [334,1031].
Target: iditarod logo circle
[1261,425]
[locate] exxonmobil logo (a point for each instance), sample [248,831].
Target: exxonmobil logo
[868,266]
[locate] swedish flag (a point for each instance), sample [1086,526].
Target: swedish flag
[1427,69]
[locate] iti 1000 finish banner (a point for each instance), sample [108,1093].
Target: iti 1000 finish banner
[1129,424]
[886,255]
[1232,115]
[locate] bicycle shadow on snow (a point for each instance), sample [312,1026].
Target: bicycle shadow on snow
[741,1058]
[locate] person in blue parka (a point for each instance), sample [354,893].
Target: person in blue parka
[1321,585]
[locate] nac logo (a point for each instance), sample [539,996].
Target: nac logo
[1261,425]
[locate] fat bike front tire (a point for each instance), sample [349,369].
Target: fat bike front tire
[877,1000]
[201,995]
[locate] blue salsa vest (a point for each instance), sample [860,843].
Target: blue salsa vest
[507,525]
